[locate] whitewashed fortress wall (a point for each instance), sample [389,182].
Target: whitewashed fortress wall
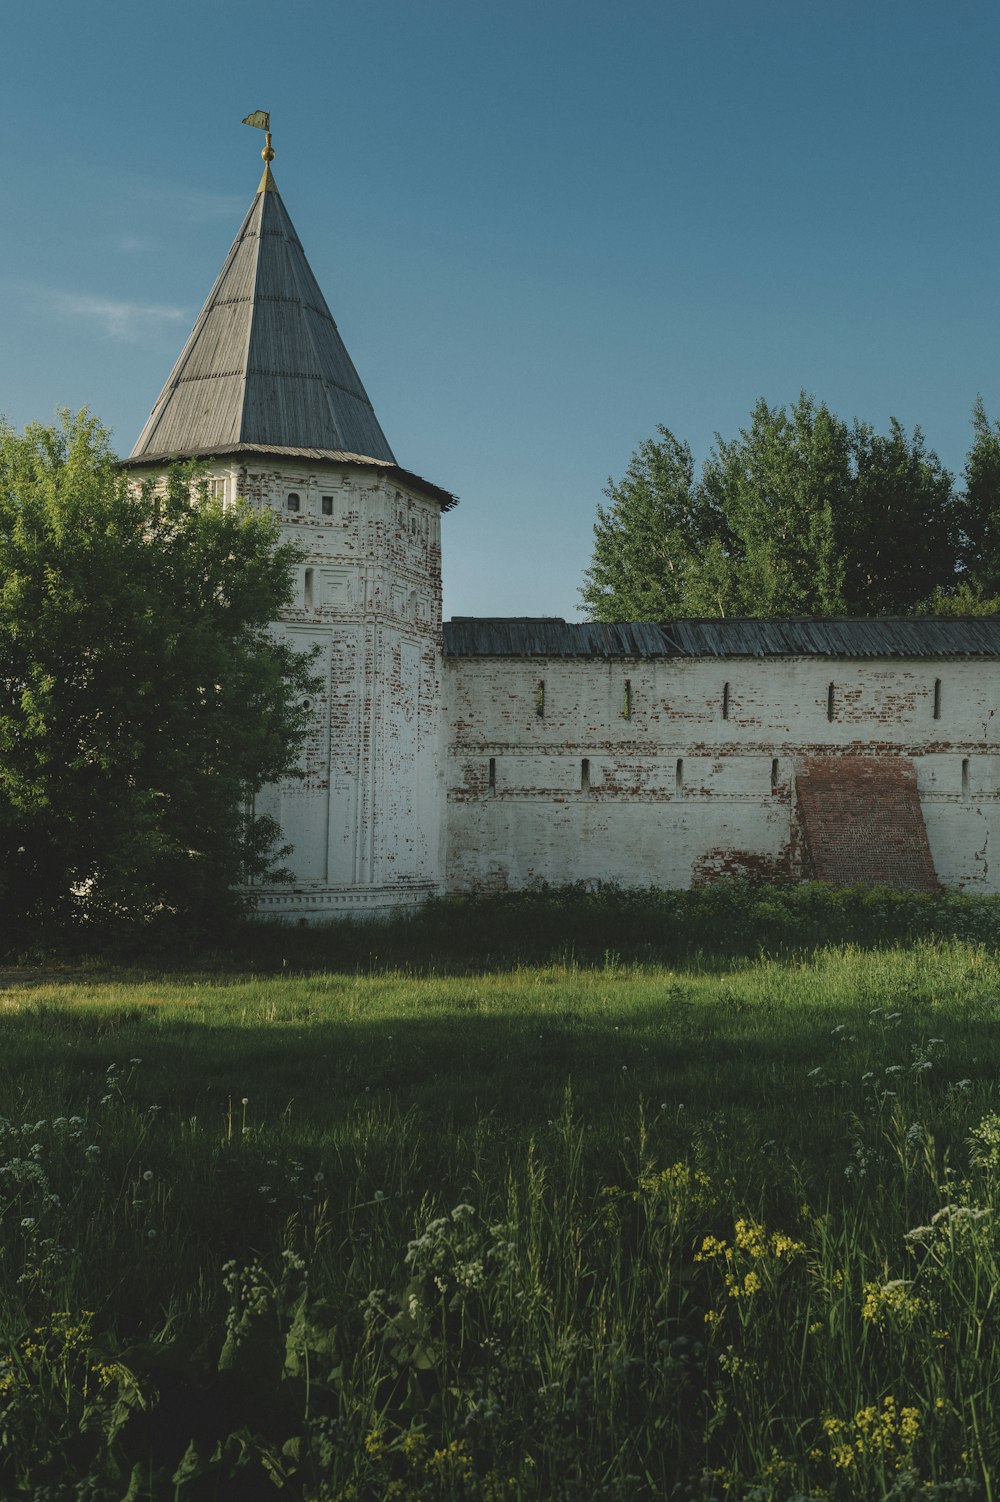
[668,771]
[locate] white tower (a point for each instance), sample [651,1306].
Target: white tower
[266,398]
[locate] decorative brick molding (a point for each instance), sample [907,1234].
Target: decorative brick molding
[862,822]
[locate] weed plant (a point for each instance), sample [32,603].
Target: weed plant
[721,1227]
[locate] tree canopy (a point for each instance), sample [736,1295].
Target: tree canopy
[800,514]
[143,700]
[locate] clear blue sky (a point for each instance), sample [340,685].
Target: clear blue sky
[543,226]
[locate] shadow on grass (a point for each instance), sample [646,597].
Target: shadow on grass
[465,1060]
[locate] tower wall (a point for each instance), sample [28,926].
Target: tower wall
[365,820]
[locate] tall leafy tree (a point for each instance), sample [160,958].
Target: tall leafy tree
[651,537]
[780,485]
[143,699]
[979,519]
[799,514]
[899,529]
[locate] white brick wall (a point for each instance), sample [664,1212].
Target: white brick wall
[734,808]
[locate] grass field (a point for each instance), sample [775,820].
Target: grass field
[571,1197]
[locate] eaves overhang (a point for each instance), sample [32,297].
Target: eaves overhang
[323,457]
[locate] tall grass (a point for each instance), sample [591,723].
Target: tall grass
[723,1228]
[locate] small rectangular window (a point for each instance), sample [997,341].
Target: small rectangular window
[725,701]
[627,700]
[679,779]
[540,699]
[829,703]
[493,777]
[937,698]
[326,502]
[292,502]
[585,775]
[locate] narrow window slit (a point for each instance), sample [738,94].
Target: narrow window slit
[309,587]
[679,778]
[725,701]
[493,776]
[627,700]
[540,699]
[965,778]
[937,698]
[774,775]
[585,775]
[830,707]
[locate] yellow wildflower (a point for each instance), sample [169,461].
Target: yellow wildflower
[890,1301]
[784,1246]
[413,1443]
[750,1237]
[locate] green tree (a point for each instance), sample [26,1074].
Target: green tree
[978,590]
[650,541]
[898,531]
[800,514]
[143,699]
[780,486]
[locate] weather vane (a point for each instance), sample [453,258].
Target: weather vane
[262,120]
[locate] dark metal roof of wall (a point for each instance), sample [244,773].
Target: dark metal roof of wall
[884,636]
[265,364]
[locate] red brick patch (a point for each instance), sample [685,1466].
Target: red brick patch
[862,822]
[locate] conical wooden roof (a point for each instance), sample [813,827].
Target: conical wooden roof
[265,365]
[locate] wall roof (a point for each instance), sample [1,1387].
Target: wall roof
[884,636]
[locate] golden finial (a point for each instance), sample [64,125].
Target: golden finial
[261,119]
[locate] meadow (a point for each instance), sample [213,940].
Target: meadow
[627,1196]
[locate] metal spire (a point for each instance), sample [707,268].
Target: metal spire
[261,119]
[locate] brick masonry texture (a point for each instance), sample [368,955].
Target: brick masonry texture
[862,822]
